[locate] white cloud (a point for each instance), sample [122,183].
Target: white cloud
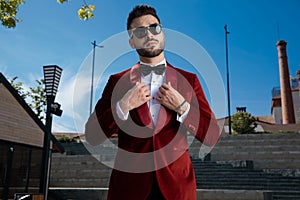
[74,97]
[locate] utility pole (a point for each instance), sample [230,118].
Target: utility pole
[93,69]
[227,75]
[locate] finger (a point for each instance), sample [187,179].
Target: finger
[159,95]
[146,90]
[138,85]
[167,86]
[146,96]
[143,85]
[158,99]
[147,93]
[149,98]
[142,89]
[162,89]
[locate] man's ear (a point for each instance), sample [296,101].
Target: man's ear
[131,43]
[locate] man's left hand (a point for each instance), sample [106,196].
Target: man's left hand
[171,98]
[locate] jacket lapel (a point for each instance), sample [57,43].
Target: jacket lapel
[143,111]
[164,114]
[171,76]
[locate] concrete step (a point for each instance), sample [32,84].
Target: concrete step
[282,196]
[245,187]
[86,173]
[78,165]
[278,151]
[75,161]
[63,157]
[78,171]
[259,139]
[284,164]
[66,158]
[202,194]
[257,178]
[261,183]
[259,144]
[79,182]
[277,136]
[258,155]
[211,175]
[253,148]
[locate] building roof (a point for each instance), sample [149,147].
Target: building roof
[276,100]
[266,119]
[23,111]
[266,123]
[278,127]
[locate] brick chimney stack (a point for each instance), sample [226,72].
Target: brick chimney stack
[288,115]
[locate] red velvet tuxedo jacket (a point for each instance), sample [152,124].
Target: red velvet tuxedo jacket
[144,149]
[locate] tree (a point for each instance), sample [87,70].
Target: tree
[9,9]
[243,123]
[65,139]
[8,12]
[85,12]
[38,99]
[35,96]
[18,87]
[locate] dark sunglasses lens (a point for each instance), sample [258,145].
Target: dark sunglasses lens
[155,29]
[140,32]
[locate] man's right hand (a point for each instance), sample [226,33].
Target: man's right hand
[135,97]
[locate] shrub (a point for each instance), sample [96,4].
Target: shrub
[243,123]
[65,139]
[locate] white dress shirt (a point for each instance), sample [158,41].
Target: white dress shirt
[153,82]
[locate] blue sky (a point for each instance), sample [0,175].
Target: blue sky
[51,33]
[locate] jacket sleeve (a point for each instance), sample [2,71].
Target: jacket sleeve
[201,120]
[103,123]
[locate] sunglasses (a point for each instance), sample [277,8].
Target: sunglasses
[141,32]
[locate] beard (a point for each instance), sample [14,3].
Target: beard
[149,52]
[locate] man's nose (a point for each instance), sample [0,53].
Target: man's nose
[149,34]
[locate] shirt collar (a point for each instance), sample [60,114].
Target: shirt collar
[161,62]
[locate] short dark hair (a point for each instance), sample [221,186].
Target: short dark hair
[139,11]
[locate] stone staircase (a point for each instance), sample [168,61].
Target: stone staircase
[75,171]
[212,175]
[267,151]
[246,167]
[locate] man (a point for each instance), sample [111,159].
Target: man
[152,107]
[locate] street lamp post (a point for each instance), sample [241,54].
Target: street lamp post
[52,74]
[93,69]
[227,73]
